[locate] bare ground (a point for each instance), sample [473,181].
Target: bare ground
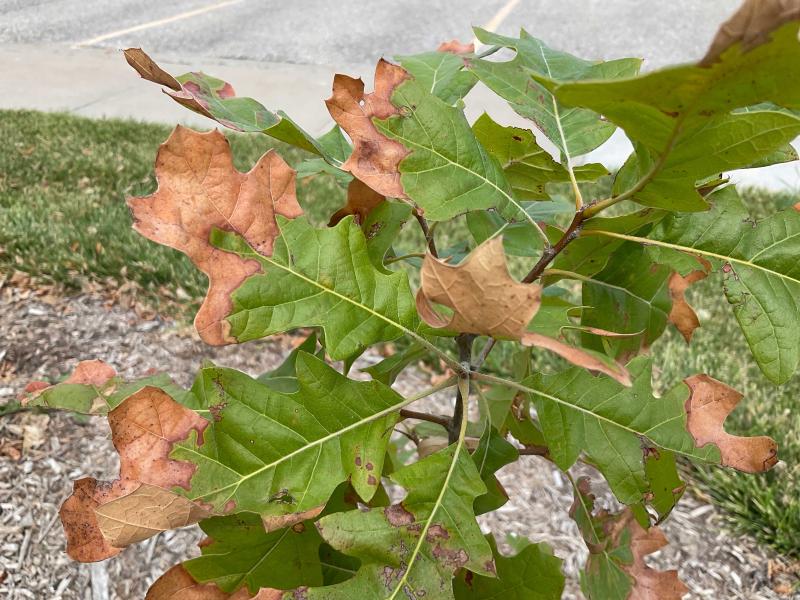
[43,335]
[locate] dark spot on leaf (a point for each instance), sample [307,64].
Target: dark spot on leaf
[454,559]
[371,480]
[398,516]
[369,466]
[435,532]
[517,137]
[358,461]
[216,410]
[298,527]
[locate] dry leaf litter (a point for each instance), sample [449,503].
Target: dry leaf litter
[43,335]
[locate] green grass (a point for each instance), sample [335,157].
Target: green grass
[63,219]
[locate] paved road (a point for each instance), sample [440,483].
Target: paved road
[346,32]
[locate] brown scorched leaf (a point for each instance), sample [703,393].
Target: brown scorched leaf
[709,404]
[100,518]
[484,297]
[681,314]
[375,159]
[199,189]
[361,199]
[751,25]
[486,300]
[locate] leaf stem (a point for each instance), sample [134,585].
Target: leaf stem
[395,259]
[420,416]
[572,233]
[464,343]
[427,232]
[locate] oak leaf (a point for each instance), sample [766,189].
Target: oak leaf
[751,25]
[199,190]
[681,314]
[100,518]
[94,373]
[709,404]
[375,159]
[485,299]
[361,199]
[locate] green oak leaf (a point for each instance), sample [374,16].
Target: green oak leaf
[381,227]
[447,172]
[240,553]
[278,453]
[528,167]
[492,454]
[760,267]
[574,131]
[630,295]
[413,549]
[533,573]
[320,278]
[441,73]
[284,377]
[683,119]
[387,370]
[614,426]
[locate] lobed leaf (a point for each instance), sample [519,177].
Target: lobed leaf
[683,123]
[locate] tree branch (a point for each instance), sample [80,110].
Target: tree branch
[427,232]
[420,416]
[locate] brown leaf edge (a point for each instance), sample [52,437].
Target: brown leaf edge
[199,189]
[708,405]
[178,584]
[681,314]
[751,26]
[144,428]
[456,47]
[361,200]
[375,159]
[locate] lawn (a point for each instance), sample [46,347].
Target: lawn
[63,220]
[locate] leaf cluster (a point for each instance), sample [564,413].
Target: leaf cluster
[312,482]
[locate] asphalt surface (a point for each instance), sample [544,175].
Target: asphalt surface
[346,32]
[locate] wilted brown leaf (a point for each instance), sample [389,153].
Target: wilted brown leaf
[361,199]
[199,189]
[375,158]
[709,404]
[148,69]
[751,25]
[456,47]
[99,518]
[484,297]
[648,584]
[578,356]
[682,315]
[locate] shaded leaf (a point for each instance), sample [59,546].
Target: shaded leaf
[387,370]
[199,190]
[531,574]
[241,554]
[491,455]
[361,200]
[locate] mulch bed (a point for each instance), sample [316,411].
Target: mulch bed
[43,335]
